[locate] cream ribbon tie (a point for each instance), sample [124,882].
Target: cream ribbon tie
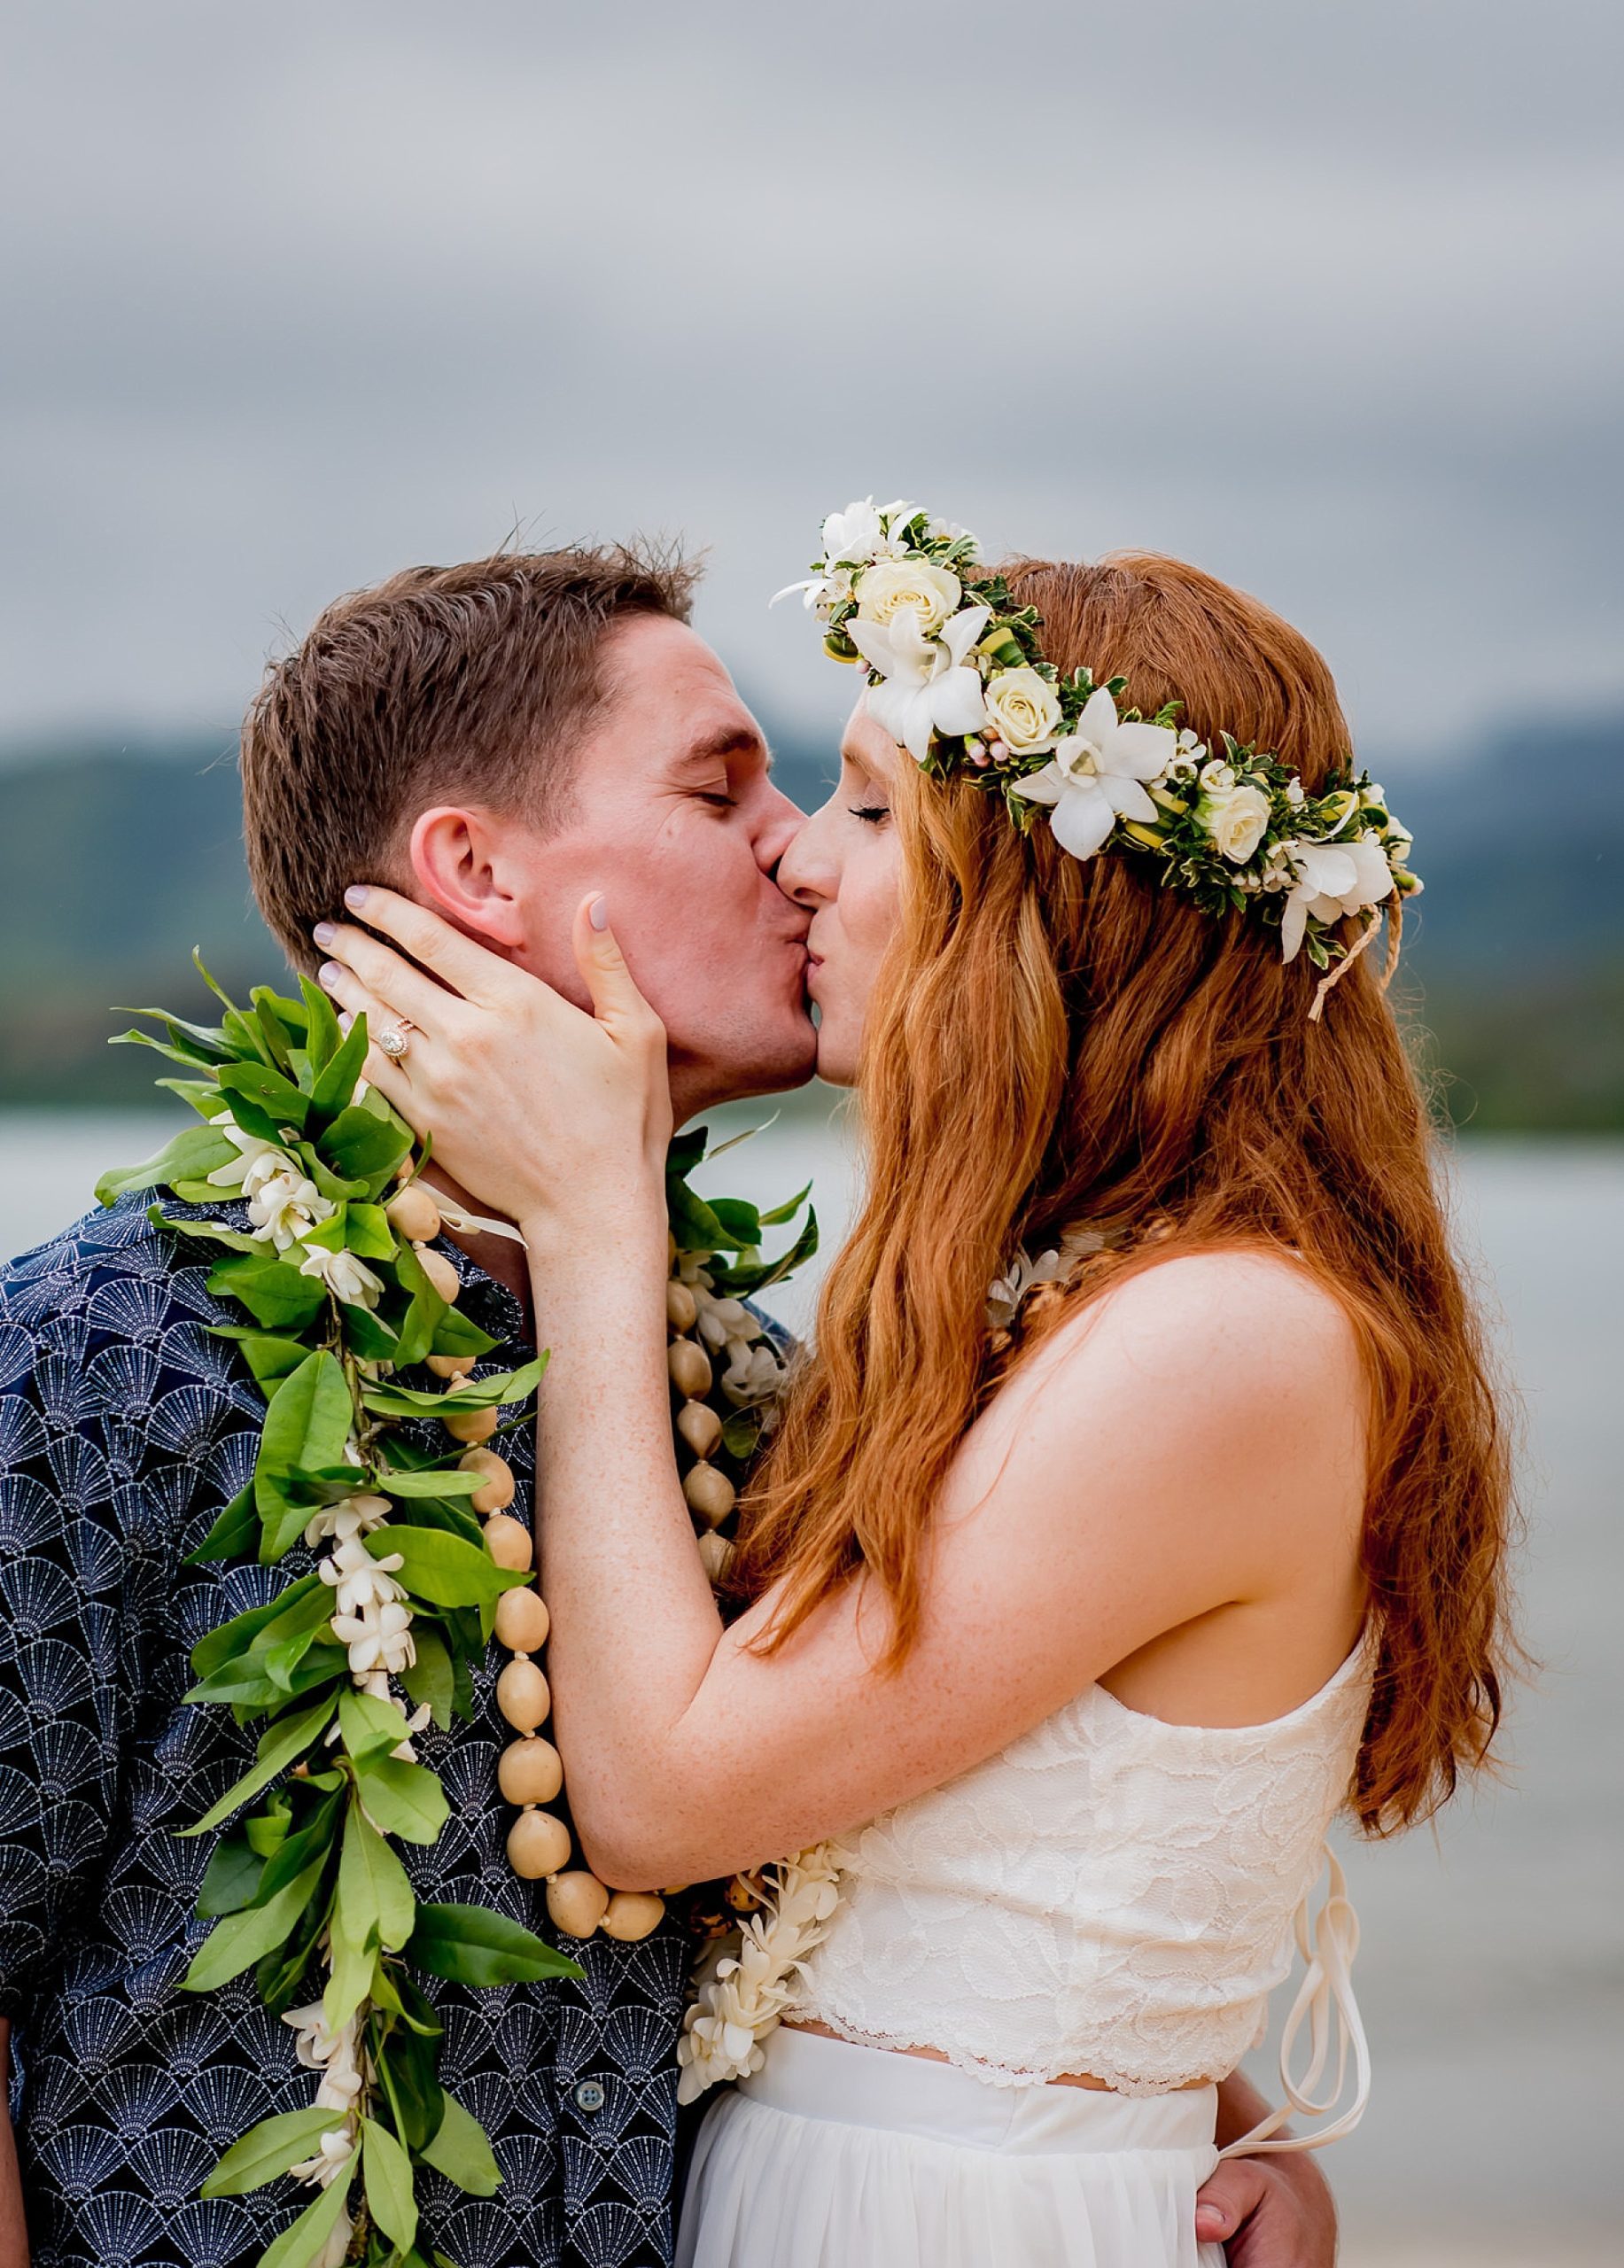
[1328,1942]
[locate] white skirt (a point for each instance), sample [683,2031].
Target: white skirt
[838,2156]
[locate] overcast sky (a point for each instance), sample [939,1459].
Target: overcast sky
[1323,294]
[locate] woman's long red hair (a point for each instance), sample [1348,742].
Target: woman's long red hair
[1054,1044]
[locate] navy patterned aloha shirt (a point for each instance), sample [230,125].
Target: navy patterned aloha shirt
[123,1428]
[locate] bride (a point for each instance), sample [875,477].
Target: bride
[1073,1633]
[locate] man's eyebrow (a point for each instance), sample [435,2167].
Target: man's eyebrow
[732,740]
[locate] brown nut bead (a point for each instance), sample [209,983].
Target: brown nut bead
[471,1425]
[576,1904]
[521,1625]
[631,1915]
[414,1214]
[508,1541]
[494,1493]
[451,1366]
[522,1696]
[691,1368]
[709,1493]
[700,1426]
[538,1845]
[532,1772]
[681,1308]
[740,1896]
[441,1273]
[715,1555]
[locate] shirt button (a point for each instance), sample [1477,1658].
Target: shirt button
[589,2095]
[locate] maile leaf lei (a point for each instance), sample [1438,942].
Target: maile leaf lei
[339,1298]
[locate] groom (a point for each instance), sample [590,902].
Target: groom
[499,738]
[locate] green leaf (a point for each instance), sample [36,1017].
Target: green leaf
[306,1427]
[306,2239]
[275,1293]
[234,1534]
[741,1222]
[267,1006]
[323,1037]
[269,2150]
[392,1400]
[461,2153]
[271,1357]
[443,1569]
[230,1639]
[354,1964]
[740,1433]
[369,1236]
[368,1336]
[291,1860]
[430,1677]
[361,1145]
[281,1743]
[265,1092]
[743,1283]
[408,2060]
[692,1224]
[687,1150]
[232,1880]
[387,2173]
[369,1727]
[426,1315]
[194,1153]
[433,1480]
[372,1883]
[469,1945]
[241,1940]
[268,1829]
[405,1800]
[779,1214]
[336,1084]
[206,1232]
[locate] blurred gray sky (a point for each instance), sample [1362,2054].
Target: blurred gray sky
[1324,294]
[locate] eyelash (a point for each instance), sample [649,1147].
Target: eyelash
[723,803]
[871,814]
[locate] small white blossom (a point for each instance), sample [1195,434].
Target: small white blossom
[284,1207]
[347,1278]
[1236,818]
[747,1990]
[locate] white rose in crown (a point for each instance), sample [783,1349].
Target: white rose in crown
[1024,710]
[1236,821]
[884,589]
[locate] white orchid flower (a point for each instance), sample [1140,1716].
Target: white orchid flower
[855,534]
[1333,879]
[347,1278]
[928,687]
[1099,775]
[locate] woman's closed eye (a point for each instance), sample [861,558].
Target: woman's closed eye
[871,814]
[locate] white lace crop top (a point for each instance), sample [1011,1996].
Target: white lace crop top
[1110,1895]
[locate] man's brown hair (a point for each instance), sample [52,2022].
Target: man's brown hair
[471,681]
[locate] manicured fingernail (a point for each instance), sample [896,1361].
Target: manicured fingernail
[355,896]
[328,973]
[324,933]
[346,1023]
[597,912]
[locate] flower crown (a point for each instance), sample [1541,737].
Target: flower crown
[957,676]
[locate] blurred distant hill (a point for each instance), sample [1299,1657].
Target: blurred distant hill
[116,858]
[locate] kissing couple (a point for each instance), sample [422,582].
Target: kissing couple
[1139,1506]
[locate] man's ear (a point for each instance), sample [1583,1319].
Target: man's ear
[458,861]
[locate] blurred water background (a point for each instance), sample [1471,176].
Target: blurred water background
[1316,297]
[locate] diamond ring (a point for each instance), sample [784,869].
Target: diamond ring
[394,1042]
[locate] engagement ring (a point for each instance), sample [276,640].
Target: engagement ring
[394,1042]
